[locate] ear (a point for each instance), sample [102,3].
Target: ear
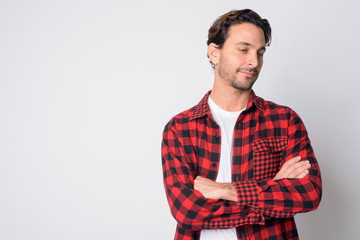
[213,53]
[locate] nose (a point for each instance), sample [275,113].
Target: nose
[253,60]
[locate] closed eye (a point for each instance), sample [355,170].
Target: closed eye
[261,53]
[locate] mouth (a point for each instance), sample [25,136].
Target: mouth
[249,74]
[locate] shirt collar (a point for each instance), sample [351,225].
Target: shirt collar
[202,108]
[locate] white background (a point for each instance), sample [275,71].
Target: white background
[86,88]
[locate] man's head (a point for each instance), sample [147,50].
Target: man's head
[236,45]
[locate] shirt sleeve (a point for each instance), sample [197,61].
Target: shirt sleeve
[188,206]
[285,197]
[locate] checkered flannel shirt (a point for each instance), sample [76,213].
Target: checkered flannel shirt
[265,136]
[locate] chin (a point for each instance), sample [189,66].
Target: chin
[244,86]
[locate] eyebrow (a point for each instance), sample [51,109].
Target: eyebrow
[250,45]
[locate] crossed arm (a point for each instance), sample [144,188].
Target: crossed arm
[294,168]
[199,203]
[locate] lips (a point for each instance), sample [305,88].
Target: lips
[249,74]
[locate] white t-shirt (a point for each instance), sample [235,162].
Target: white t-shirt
[226,121]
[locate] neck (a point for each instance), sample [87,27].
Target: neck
[229,98]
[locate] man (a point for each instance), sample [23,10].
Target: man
[236,166]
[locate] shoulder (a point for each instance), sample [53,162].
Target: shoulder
[271,107]
[180,119]
[278,111]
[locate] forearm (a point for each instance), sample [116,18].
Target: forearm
[280,198]
[283,197]
[229,192]
[215,190]
[188,206]
[290,195]
[291,191]
[192,211]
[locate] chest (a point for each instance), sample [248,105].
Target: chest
[258,147]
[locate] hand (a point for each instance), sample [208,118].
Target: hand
[214,190]
[294,168]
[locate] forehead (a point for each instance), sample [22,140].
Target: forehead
[246,32]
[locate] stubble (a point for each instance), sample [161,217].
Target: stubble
[235,78]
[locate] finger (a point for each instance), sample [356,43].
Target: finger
[289,166]
[300,168]
[198,185]
[303,174]
[197,182]
[198,179]
[293,160]
[292,168]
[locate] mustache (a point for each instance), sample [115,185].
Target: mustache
[251,70]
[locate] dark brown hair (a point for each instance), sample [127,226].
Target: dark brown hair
[218,32]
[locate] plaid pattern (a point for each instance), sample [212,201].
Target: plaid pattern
[265,136]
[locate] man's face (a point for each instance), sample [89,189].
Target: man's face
[241,57]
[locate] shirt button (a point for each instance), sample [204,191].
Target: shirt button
[214,164]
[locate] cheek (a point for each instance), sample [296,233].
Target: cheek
[242,61]
[236,62]
[260,63]
[227,62]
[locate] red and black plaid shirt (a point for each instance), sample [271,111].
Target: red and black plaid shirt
[265,136]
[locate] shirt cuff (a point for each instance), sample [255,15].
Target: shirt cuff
[247,193]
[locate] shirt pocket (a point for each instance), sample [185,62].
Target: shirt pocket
[267,153]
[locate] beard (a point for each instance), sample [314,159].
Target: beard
[235,80]
[246,83]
